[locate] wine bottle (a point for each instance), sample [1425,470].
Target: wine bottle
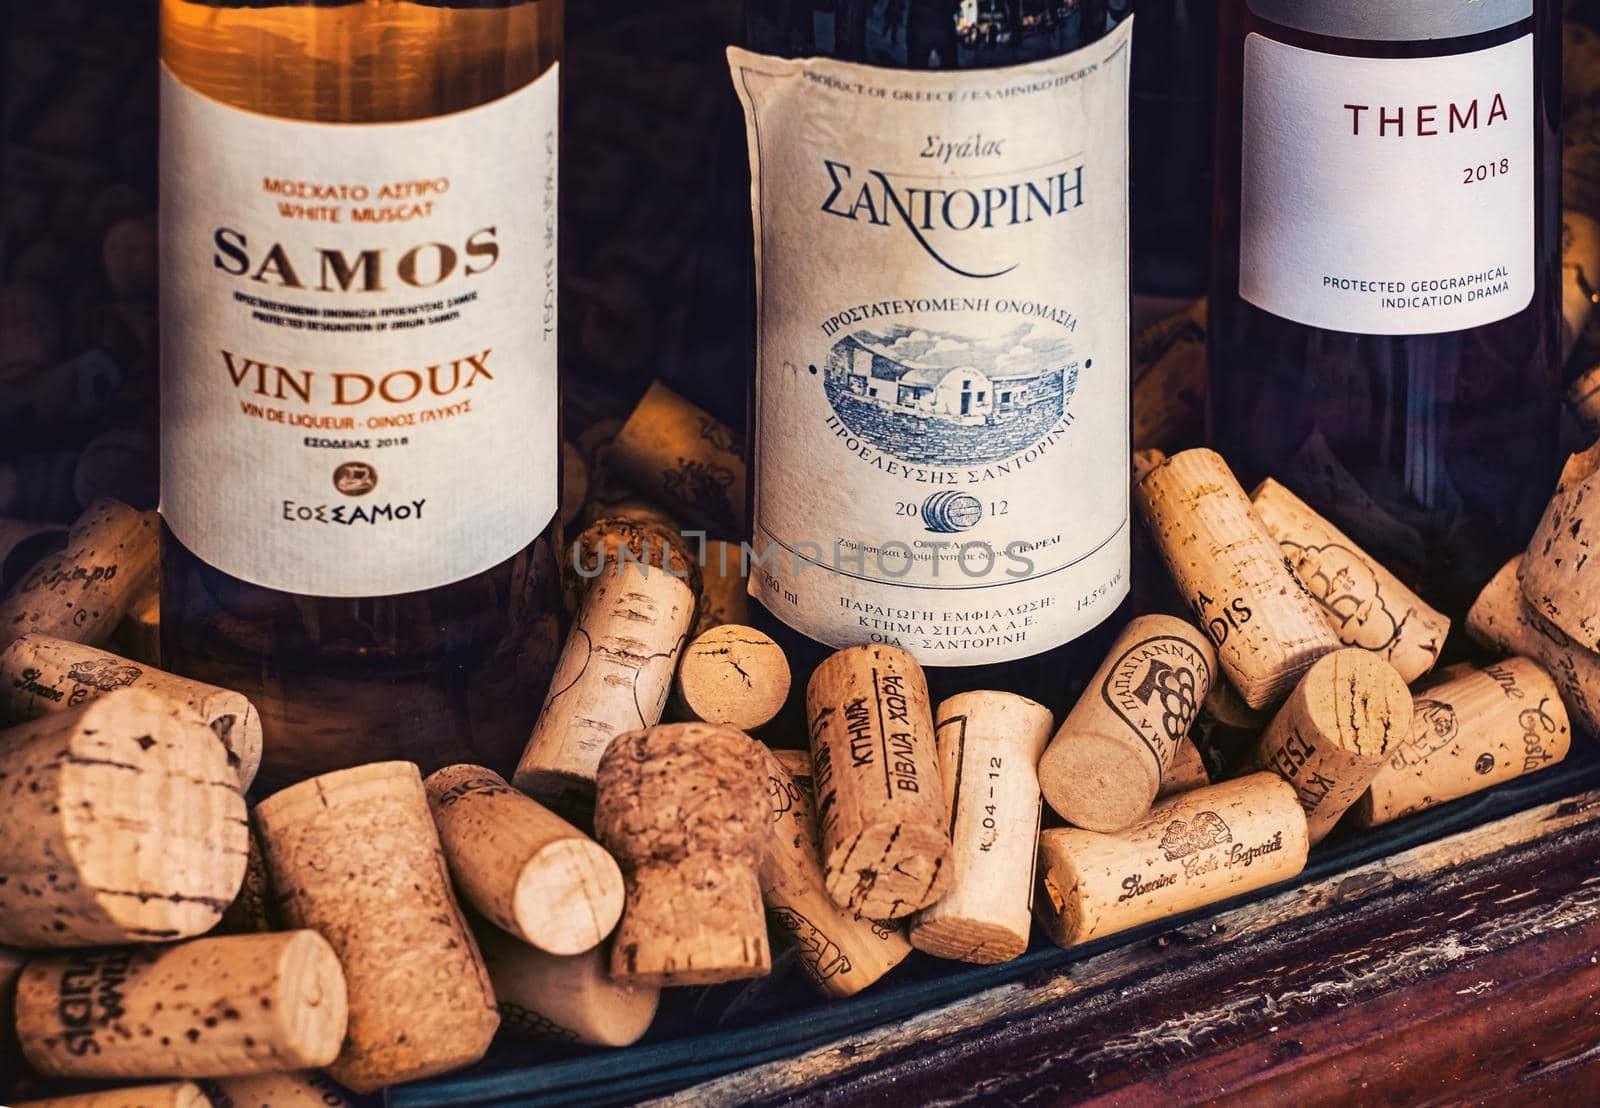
[359,399]
[1385,272]
[940,427]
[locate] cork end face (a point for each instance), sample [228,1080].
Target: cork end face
[154,821]
[568,897]
[889,870]
[973,941]
[1098,782]
[312,1000]
[621,1013]
[734,675]
[1359,701]
[1057,905]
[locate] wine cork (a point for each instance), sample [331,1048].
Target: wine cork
[725,595]
[123,823]
[880,803]
[85,590]
[680,806]
[1580,276]
[1502,621]
[734,675]
[1144,461]
[138,636]
[685,458]
[305,1089]
[615,670]
[40,675]
[840,950]
[184,1094]
[989,747]
[1322,480]
[568,998]
[1347,716]
[1169,379]
[1195,849]
[1468,734]
[205,1008]
[1583,397]
[1187,770]
[1104,767]
[251,910]
[23,544]
[1266,627]
[1558,575]
[1366,605]
[522,866]
[354,856]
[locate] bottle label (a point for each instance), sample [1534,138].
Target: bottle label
[358,341]
[1388,21]
[941,416]
[1388,196]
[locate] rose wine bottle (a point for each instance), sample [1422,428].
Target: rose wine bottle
[359,399]
[939,414]
[1385,282]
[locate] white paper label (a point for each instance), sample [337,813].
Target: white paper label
[941,421]
[358,341]
[1387,196]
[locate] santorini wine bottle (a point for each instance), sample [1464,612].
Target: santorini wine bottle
[359,398]
[939,416]
[1385,281]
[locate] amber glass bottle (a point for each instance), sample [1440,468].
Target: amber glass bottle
[359,399]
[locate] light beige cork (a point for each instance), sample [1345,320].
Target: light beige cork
[989,747]
[40,674]
[680,805]
[1266,627]
[615,670]
[1500,620]
[1348,715]
[684,458]
[880,803]
[354,856]
[734,675]
[122,823]
[840,950]
[83,592]
[1468,734]
[1104,767]
[569,998]
[1559,572]
[725,594]
[1367,605]
[1195,849]
[304,1089]
[1187,771]
[523,867]
[184,1094]
[1146,460]
[138,636]
[208,1007]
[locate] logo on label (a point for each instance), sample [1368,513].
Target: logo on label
[1183,839]
[1154,688]
[355,478]
[104,674]
[1433,727]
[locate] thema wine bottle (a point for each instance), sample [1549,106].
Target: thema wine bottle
[1384,312]
[359,399]
[939,414]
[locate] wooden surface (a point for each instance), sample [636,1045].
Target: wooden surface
[1460,971]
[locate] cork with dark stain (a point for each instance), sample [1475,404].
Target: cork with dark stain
[1560,574]
[1267,628]
[683,808]
[40,674]
[122,823]
[880,801]
[1347,716]
[354,855]
[615,670]
[734,675]
[83,592]
[210,1007]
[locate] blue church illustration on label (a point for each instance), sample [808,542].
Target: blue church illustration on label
[938,398]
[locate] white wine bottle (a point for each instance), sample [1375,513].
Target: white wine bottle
[360,433]
[939,427]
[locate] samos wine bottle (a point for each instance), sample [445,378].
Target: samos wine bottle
[939,415]
[1384,312]
[359,399]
